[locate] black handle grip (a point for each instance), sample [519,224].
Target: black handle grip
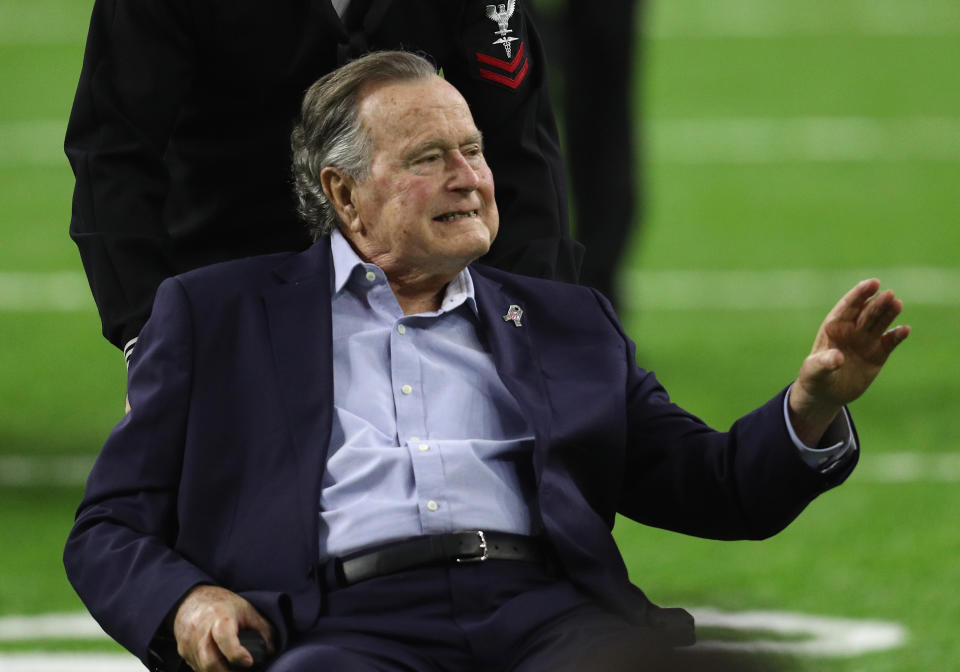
[253,642]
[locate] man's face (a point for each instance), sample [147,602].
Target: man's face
[426,207]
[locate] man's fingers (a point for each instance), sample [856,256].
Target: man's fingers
[209,658]
[880,312]
[224,634]
[852,303]
[261,625]
[895,337]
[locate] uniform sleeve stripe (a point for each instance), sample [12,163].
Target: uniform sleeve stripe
[512,82]
[509,66]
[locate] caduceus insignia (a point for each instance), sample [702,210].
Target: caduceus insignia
[501,15]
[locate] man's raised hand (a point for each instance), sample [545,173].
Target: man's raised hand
[851,347]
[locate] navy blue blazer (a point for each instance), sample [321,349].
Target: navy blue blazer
[214,475]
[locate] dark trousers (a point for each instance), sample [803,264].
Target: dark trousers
[496,615]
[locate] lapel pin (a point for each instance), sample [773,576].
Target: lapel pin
[514,313]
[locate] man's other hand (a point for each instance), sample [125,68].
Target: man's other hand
[206,626]
[851,347]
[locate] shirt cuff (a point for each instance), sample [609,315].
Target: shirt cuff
[838,441]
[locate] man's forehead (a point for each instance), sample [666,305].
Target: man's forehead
[411,108]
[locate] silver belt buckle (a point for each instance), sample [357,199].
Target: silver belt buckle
[483,549]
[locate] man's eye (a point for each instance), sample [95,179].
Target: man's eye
[428,158]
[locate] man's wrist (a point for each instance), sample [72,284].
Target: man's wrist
[834,444]
[810,417]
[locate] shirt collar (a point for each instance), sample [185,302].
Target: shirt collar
[346,262]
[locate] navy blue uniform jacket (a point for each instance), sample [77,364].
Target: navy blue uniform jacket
[214,475]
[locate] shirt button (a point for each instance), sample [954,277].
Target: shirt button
[432,505]
[371,276]
[406,389]
[423,447]
[401,329]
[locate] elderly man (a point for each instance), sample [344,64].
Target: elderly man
[382,458]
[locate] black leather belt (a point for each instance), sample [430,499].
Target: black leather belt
[439,549]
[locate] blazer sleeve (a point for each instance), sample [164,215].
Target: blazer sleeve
[138,64]
[119,555]
[510,102]
[748,482]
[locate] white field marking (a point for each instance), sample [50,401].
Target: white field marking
[908,468]
[680,289]
[38,22]
[69,662]
[42,471]
[771,18]
[736,140]
[765,140]
[32,143]
[44,22]
[71,625]
[55,292]
[828,636]
[781,290]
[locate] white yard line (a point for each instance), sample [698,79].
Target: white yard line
[674,290]
[908,468]
[736,140]
[901,467]
[69,662]
[814,18]
[43,470]
[823,636]
[55,292]
[49,626]
[781,289]
[767,140]
[38,142]
[44,22]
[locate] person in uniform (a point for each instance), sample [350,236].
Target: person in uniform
[179,133]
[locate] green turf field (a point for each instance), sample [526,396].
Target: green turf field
[791,148]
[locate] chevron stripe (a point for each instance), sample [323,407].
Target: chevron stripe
[512,82]
[509,66]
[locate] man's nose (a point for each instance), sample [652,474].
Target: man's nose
[464,175]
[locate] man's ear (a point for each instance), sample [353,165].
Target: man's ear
[339,188]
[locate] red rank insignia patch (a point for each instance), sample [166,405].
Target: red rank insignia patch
[511,70]
[509,73]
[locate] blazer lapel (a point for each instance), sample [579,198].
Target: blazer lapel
[515,357]
[299,324]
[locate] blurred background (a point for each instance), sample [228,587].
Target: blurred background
[786,150]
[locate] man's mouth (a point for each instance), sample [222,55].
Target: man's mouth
[453,216]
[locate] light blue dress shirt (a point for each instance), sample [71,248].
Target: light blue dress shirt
[426,439]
